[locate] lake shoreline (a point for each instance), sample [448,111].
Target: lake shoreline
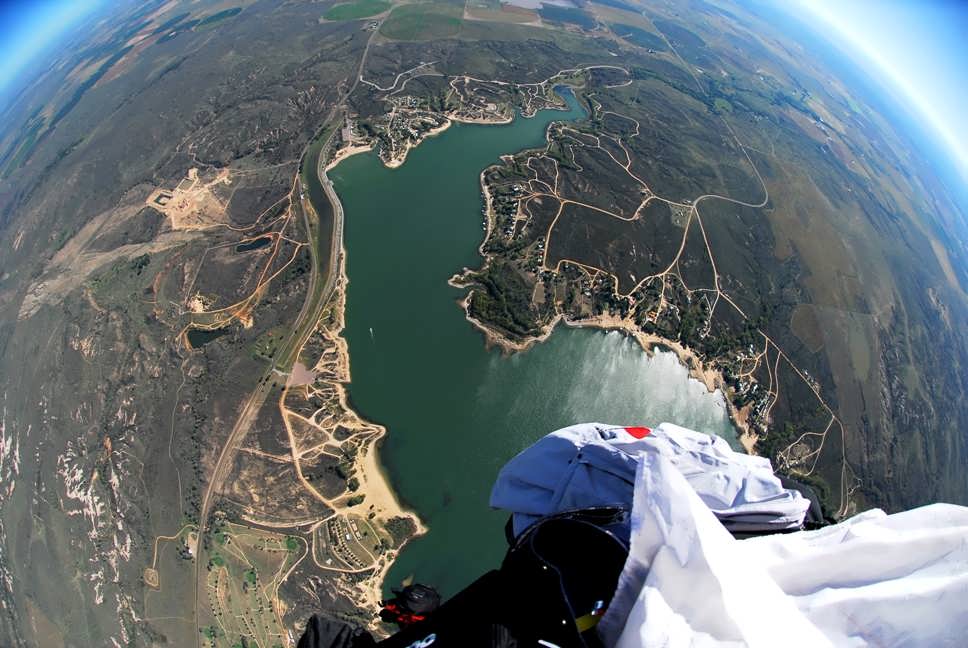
[376,481]
[711,379]
[375,484]
[386,388]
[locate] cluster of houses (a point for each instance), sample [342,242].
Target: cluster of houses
[504,202]
[340,537]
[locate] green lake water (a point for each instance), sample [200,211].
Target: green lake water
[455,411]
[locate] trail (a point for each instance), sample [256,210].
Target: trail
[316,298]
[547,187]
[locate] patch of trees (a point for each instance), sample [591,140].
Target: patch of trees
[400,529]
[723,341]
[222,15]
[503,299]
[777,439]
[300,267]
[138,264]
[692,318]
[437,102]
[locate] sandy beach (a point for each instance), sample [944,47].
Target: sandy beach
[374,483]
[712,379]
[479,120]
[400,157]
[395,161]
[346,152]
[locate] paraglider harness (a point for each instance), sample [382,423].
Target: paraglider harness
[554,585]
[410,605]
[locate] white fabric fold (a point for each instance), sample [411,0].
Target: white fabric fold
[594,464]
[872,580]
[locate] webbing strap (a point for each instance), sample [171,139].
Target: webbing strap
[588,621]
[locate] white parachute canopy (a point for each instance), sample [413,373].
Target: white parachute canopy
[871,580]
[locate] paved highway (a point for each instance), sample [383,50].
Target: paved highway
[317,296]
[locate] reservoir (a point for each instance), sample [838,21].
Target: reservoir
[456,411]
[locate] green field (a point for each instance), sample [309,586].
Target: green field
[568,15]
[493,10]
[356,10]
[423,22]
[721,106]
[638,36]
[218,17]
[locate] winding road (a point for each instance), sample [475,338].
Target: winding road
[318,295]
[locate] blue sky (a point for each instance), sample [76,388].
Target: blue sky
[917,48]
[26,28]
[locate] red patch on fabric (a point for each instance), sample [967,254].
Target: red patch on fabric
[639,432]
